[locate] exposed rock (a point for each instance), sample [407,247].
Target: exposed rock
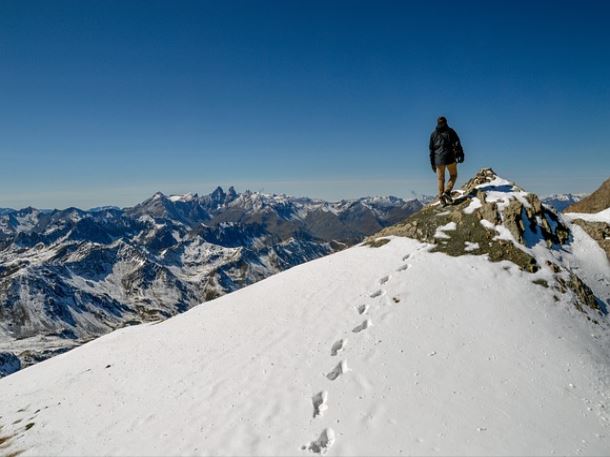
[583,293]
[504,207]
[9,363]
[489,211]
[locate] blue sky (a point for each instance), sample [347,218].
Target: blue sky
[106,102]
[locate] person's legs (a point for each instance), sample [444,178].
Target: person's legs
[452,176]
[440,177]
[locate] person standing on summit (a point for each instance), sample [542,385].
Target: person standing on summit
[445,153]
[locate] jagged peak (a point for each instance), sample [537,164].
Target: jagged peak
[231,193]
[158,196]
[218,193]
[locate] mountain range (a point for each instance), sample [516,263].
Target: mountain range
[67,276]
[561,201]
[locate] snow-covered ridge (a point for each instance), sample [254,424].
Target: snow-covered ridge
[183,198]
[602,216]
[370,351]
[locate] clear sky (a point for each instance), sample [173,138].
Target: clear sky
[106,102]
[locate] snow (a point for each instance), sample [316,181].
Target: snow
[469,246]
[440,231]
[497,181]
[465,357]
[602,216]
[504,234]
[589,261]
[474,204]
[182,198]
[502,191]
[487,224]
[26,222]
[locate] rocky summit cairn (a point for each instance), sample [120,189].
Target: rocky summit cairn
[494,217]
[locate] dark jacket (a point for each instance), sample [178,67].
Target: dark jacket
[445,147]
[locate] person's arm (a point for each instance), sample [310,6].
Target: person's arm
[459,151]
[456,141]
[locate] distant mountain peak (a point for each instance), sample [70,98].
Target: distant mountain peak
[188,197]
[218,193]
[561,201]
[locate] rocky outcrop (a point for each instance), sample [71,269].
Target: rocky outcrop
[494,217]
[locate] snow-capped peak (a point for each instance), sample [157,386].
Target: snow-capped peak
[188,197]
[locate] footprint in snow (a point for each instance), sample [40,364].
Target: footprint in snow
[366,324]
[362,309]
[338,347]
[377,293]
[340,369]
[319,403]
[405,258]
[404,267]
[323,443]
[383,280]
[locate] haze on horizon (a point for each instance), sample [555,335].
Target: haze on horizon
[107,102]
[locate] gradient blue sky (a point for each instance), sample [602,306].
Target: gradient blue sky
[106,102]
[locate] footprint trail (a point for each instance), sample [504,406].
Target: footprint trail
[377,293]
[340,369]
[323,443]
[338,347]
[365,324]
[319,403]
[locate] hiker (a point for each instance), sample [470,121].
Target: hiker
[445,153]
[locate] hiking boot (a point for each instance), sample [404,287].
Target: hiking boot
[447,197]
[442,200]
